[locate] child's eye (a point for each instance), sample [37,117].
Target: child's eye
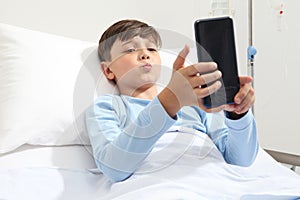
[130,50]
[152,49]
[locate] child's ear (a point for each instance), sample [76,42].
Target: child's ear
[107,72]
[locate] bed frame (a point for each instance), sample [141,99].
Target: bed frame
[285,158]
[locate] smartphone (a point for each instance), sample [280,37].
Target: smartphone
[215,42]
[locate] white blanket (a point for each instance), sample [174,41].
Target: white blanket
[188,167]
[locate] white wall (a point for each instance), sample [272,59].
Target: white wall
[87,19]
[276,65]
[277,76]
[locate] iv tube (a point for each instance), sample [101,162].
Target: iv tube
[222,8]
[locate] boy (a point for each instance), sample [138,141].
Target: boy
[124,128]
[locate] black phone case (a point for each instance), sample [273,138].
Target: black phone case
[215,42]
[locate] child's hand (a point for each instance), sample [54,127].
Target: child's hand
[184,88]
[245,98]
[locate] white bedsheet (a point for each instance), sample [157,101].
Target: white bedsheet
[190,167]
[67,157]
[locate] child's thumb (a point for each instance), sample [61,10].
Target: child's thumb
[179,62]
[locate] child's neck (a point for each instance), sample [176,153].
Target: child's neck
[143,92]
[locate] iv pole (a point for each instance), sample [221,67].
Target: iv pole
[251,51]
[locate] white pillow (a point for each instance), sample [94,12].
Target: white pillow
[46,83]
[38,75]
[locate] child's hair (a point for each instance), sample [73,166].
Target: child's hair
[125,30]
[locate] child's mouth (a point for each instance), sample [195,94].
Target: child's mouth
[147,67]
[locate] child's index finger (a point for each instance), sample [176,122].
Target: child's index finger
[202,68]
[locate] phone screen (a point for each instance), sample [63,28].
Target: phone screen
[215,42]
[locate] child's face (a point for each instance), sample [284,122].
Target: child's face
[134,63]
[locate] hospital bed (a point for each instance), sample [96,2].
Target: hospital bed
[47,82]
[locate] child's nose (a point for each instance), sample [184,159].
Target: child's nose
[144,55]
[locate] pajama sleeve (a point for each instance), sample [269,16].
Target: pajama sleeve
[118,152]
